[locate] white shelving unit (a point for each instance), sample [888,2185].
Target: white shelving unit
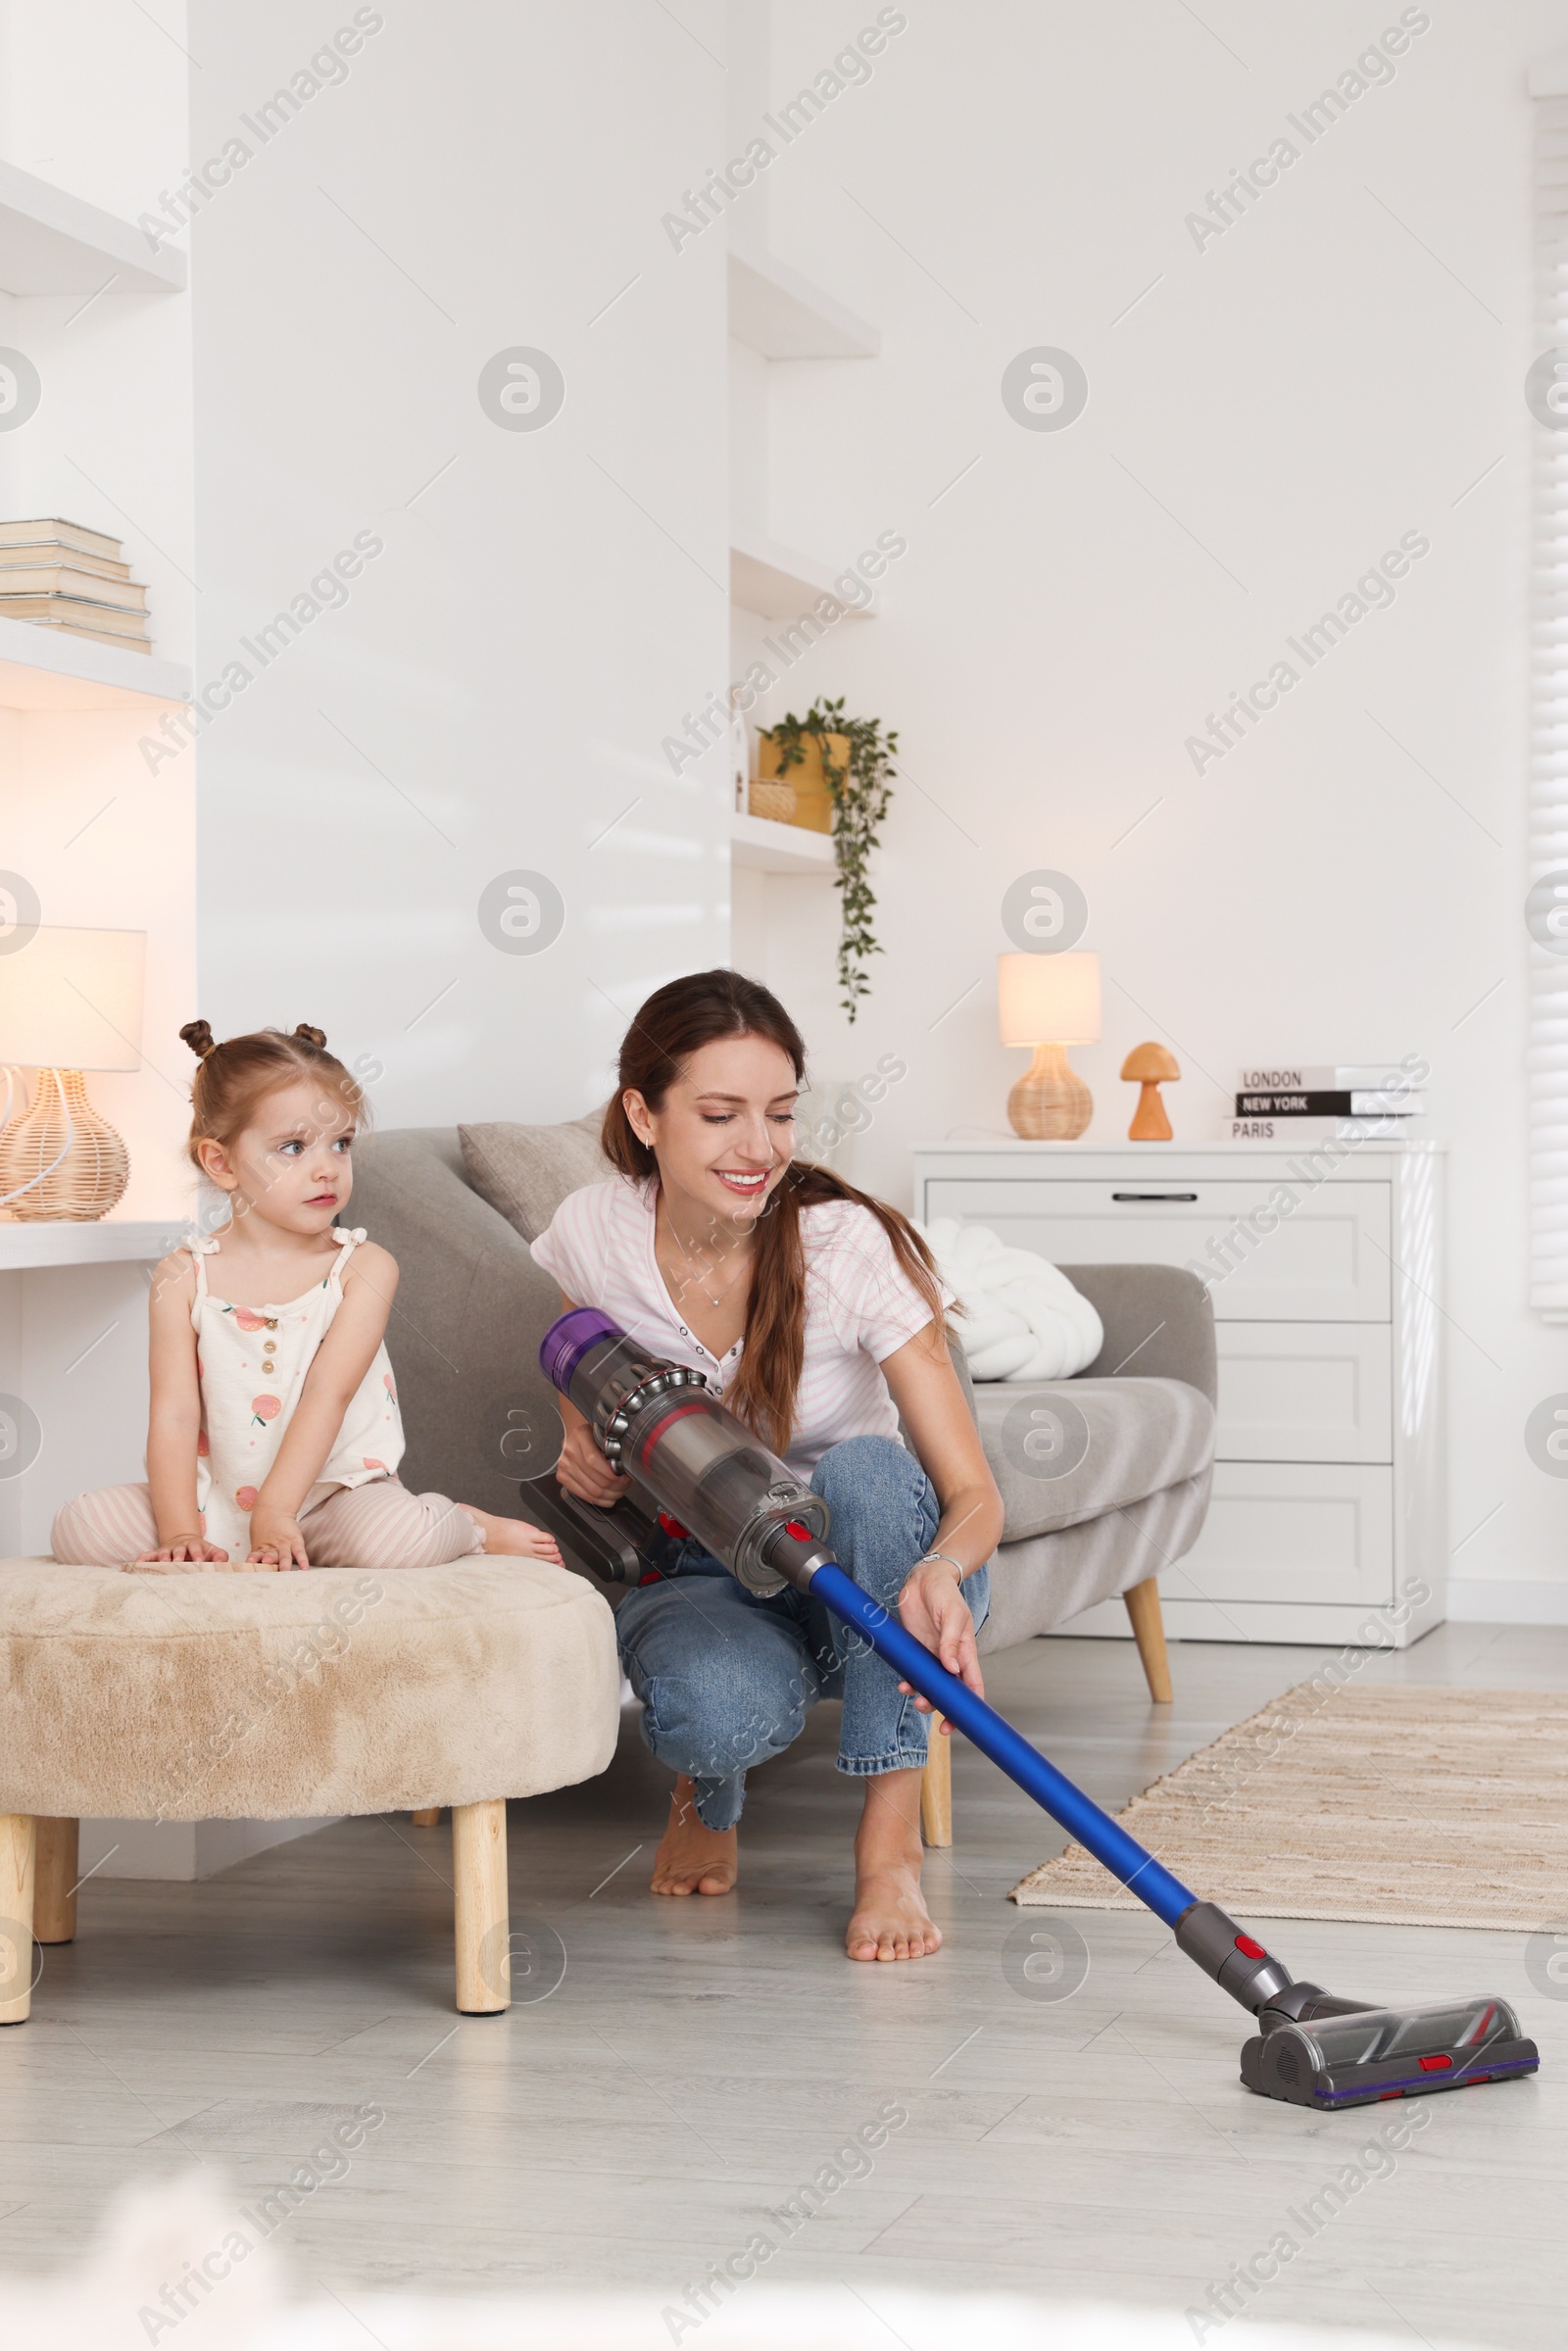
[52,242]
[30,1247]
[785,315]
[782,904]
[772,580]
[100,841]
[47,670]
[764,846]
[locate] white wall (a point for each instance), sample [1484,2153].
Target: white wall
[1314,382]
[493,695]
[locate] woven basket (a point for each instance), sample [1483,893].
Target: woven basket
[774,801]
[94,1171]
[805,780]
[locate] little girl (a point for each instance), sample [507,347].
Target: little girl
[275,1434]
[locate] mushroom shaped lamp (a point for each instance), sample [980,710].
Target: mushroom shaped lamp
[1148,1066]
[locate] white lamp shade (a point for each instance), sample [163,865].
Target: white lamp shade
[71,1000]
[1049,1000]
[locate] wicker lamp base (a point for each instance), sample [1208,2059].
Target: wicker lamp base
[1049,1104]
[92,1172]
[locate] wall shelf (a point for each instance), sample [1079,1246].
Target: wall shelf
[774,581]
[28,1247]
[766,847]
[784,315]
[49,669]
[52,242]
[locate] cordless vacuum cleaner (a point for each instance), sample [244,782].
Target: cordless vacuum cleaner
[695,1469]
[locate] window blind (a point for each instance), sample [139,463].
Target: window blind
[1547,1062]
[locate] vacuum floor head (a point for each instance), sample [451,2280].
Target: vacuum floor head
[1356,2058]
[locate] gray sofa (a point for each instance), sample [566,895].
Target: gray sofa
[472,1306]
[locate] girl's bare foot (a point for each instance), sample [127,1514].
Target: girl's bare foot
[692,1859]
[513,1537]
[890,1920]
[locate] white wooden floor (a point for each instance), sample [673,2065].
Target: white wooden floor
[700,2060]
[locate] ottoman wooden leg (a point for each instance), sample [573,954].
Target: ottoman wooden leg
[53,1894]
[18,1846]
[1149,1631]
[427,1819]
[480,1883]
[936,1790]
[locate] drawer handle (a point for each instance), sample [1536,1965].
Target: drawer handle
[1153,1196]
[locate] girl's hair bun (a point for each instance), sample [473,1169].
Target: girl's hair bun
[239,1073]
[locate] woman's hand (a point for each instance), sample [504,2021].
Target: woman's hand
[583,1470]
[180,1551]
[932,1608]
[275,1539]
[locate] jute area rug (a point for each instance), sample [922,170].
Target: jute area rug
[1395,1805]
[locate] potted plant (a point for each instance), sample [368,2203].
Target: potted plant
[849,764]
[792,765]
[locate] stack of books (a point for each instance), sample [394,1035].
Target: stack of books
[59,576]
[1307,1102]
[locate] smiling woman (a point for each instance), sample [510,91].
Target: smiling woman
[816,1312]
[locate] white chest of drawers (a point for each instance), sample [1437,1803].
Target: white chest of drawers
[1329,1517]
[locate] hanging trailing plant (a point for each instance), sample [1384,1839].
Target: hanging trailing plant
[861,792]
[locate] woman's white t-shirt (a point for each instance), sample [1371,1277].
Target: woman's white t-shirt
[860,1306]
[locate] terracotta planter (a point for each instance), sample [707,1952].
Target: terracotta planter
[812,807]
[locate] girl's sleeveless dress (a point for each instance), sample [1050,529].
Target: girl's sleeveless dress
[251,1362]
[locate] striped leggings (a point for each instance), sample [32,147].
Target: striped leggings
[377,1526]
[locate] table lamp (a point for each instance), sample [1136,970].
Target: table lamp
[69,1001]
[1049,1002]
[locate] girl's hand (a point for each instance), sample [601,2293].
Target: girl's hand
[275,1539]
[584,1472]
[180,1551]
[932,1608]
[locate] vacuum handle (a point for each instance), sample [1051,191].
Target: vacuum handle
[1106,1838]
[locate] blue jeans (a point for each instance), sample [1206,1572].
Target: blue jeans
[725,1678]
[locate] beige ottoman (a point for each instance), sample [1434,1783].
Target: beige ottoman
[285,1696]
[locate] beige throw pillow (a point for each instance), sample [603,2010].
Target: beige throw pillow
[526,1173]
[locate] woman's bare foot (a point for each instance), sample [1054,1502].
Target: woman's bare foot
[692,1859]
[890,1920]
[513,1537]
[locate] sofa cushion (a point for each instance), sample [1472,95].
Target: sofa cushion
[1047,1579]
[526,1173]
[1064,1450]
[470,1310]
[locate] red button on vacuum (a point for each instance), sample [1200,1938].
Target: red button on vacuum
[793,1526]
[1436,2065]
[1248,1949]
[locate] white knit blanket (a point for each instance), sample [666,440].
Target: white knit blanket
[1023,1319]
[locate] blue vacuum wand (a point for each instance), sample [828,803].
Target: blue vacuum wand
[698,1467]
